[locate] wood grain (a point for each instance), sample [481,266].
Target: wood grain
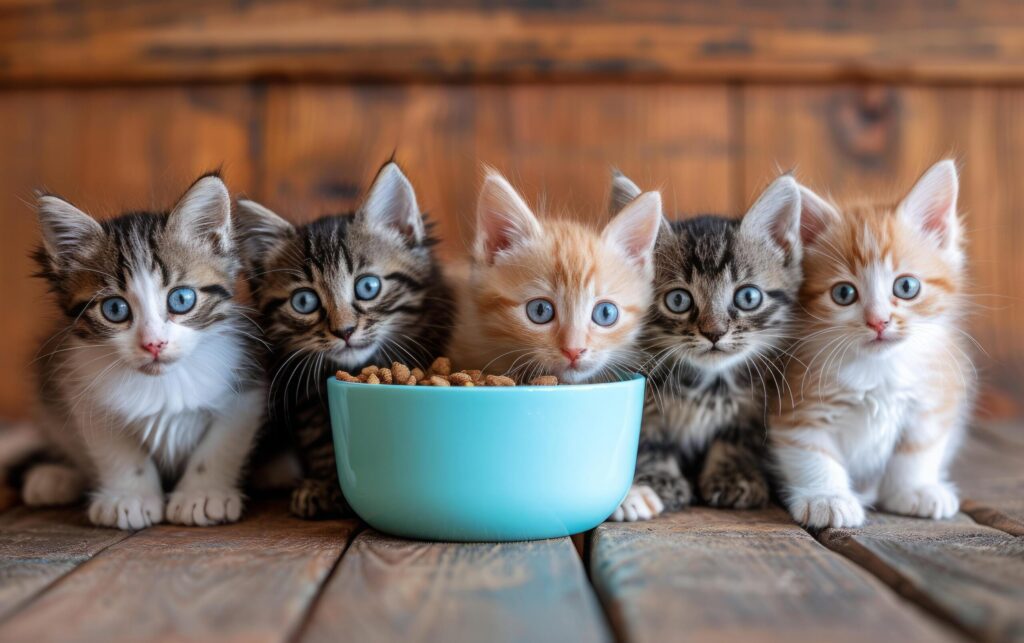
[557,144]
[251,581]
[107,40]
[967,573]
[709,575]
[107,151]
[38,547]
[388,589]
[875,141]
[990,476]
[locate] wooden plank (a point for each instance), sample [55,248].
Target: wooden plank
[989,474]
[967,573]
[108,151]
[877,140]
[251,581]
[108,40]
[324,143]
[38,547]
[710,575]
[388,589]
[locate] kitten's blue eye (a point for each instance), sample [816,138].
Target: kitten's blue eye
[605,313]
[906,287]
[748,298]
[116,309]
[181,300]
[844,294]
[305,301]
[367,287]
[540,311]
[679,300]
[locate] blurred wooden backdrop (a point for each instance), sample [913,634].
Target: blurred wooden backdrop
[119,105]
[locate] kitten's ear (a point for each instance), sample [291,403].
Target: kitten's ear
[391,204]
[503,219]
[67,231]
[623,191]
[634,231]
[931,204]
[816,215]
[776,215]
[258,230]
[203,215]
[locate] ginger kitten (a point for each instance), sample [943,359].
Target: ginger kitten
[153,376]
[886,382]
[554,296]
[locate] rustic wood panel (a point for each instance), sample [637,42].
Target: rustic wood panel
[37,547]
[990,475]
[388,589]
[324,143]
[708,575]
[108,151]
[251,581]
[856,140]
[104,40]
[969,574]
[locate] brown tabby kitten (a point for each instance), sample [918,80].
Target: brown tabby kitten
[341,292]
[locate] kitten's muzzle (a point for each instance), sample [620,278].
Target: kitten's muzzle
[344,333]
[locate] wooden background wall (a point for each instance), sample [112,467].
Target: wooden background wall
[119,105]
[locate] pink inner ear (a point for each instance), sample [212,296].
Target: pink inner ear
[935,213]
[498,231]
[811,226]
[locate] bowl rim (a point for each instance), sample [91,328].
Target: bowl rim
[626,382]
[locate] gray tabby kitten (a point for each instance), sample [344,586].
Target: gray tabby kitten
[724,293]
[153,376]
[341,292]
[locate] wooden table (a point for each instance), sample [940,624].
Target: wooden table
[698,575]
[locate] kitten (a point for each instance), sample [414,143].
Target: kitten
[342,292]
[724,292]
[887,384]
[553,296]
[153,375]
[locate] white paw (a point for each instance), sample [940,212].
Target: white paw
[934,501]
[204,507]
[827,511]
[641,503]
[126,511]
[52,484]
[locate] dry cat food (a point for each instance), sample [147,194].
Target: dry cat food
[439,374]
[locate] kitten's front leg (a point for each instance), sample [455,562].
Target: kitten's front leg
[658,485]
[914,483]
[815,484]
[732,477]
[318,495]
[208,492]
[129,494]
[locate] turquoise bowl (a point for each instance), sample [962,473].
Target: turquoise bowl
[485,464]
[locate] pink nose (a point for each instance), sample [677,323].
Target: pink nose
[154,348]
[573,353]
[878,325]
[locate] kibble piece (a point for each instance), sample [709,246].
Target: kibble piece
[399,372]
[441,366]
[410,381]
[385,375]
[345,376]
[369,369]
[437,380]
[418,374]
[460,379]
[372,379]
[544,380]
[499,380]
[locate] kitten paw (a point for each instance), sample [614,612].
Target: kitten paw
[730,488]
[640,503]
[314,499]
[52,484]
[827,511]
[204,507]
[126,511]
[673,491]
[934,501]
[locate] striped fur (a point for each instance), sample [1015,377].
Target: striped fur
[410,319]
[704,421]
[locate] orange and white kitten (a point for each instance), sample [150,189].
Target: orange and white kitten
[554,296]
[882,382]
